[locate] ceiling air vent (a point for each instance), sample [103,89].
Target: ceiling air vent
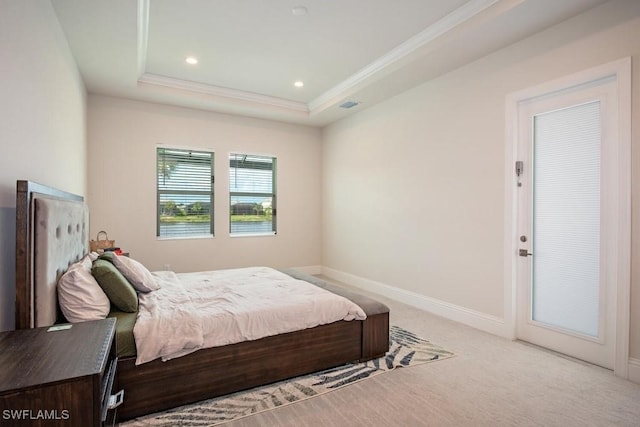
[348,104]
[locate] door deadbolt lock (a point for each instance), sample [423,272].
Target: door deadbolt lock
[524,252]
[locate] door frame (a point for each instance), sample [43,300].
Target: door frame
[620,70]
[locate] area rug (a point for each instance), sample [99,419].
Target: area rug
[405,349]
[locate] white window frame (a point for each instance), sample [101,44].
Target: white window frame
[272,194]
[210,193]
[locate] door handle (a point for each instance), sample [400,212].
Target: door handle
[524,252]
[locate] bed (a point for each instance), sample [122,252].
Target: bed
[48,243]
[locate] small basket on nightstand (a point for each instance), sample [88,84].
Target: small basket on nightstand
[99,245]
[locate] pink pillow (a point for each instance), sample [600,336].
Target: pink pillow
[136,273]
[79,295]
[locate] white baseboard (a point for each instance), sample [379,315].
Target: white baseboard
[475,319]
[634,370]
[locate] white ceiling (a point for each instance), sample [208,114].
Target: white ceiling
[251,52]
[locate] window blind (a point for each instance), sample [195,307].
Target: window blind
[566,273]
[185,193]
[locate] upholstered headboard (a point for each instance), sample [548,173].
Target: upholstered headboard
[52,229]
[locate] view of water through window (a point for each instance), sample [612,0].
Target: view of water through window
[202,229]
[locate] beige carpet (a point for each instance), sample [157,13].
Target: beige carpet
[491,382]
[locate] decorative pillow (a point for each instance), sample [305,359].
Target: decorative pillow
[79,295]
[109,256]
[136,273]
[115,285]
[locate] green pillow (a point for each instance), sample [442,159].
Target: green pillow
[115,285]
[107,256]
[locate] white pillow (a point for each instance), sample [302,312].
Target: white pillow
[80,296]
[136,273]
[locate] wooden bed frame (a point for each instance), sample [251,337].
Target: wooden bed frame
[157,386]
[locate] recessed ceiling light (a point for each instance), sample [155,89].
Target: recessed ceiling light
[299,10]
[299,83]
[192,60]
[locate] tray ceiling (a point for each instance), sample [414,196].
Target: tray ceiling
[251,52]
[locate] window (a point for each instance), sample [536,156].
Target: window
[185,193]
[252,189]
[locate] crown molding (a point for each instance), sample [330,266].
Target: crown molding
[143,35]
[440,27]
[326,99]
[206,89]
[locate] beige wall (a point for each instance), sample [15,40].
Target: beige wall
[42,120]
[123,136]
[414,187]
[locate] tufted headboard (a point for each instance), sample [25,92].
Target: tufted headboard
[52,229]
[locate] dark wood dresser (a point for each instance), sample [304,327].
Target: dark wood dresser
[59,376]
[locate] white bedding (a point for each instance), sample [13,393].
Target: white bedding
[191,311]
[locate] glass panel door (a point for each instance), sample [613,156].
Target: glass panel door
[566,219]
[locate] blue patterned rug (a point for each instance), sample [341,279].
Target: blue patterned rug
[405,349]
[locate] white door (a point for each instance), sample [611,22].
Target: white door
[567,208]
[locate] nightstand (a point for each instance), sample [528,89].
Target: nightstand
[59,376]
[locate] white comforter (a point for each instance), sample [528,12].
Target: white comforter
[191,311]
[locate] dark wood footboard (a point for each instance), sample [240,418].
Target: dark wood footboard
[375,336]
[208,373]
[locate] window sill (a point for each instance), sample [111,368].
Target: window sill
[271,233]
[207,236]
